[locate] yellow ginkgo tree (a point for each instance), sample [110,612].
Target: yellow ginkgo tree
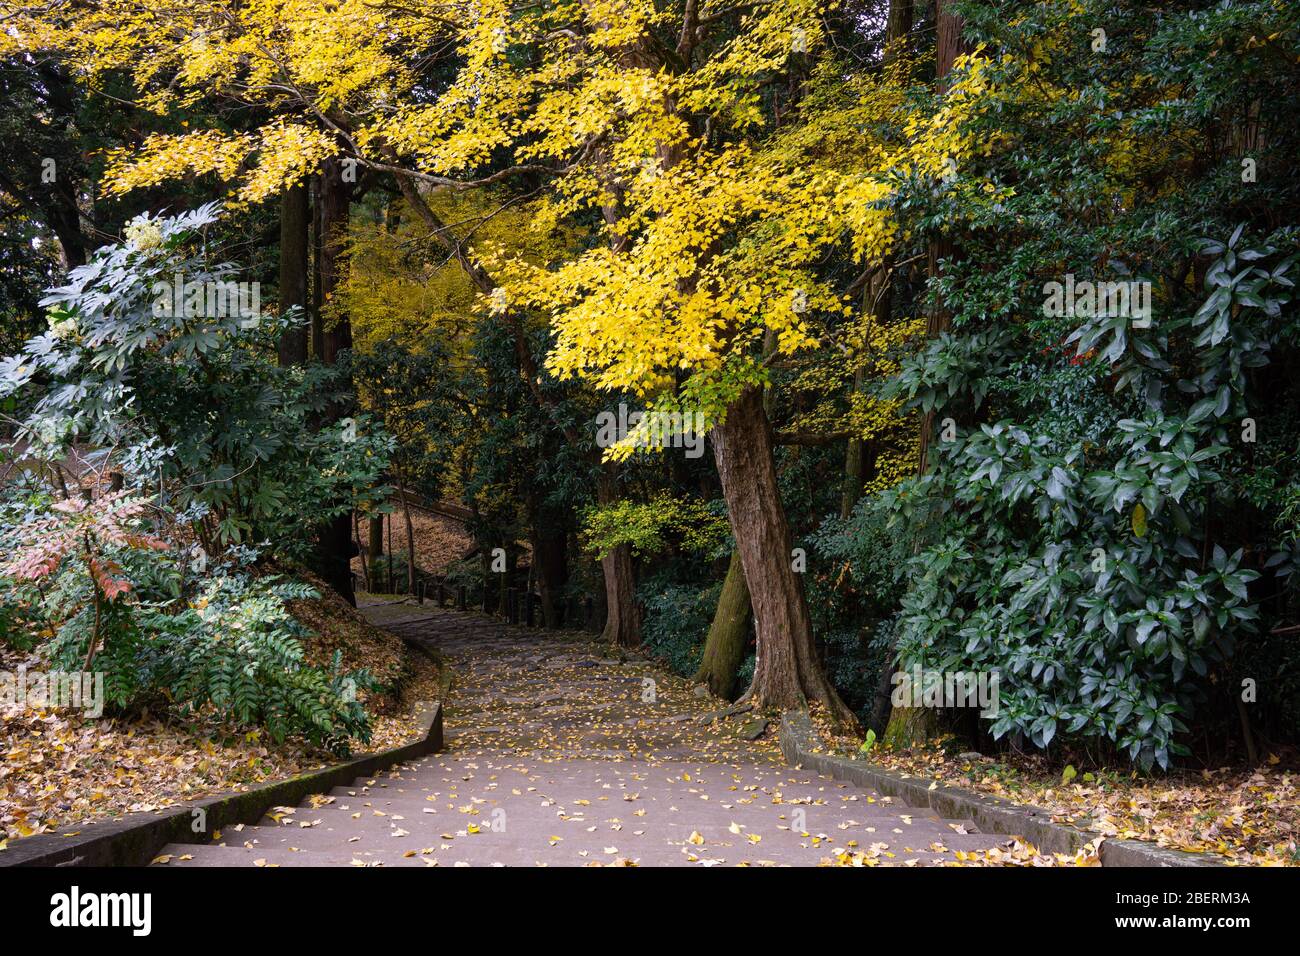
[687,132]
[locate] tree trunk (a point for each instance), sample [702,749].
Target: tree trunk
[851,491]
[317,329]
[334,553]
[65,221]
[788,674]
[876,294]
[335,200]
[724,649]
[550,540]
[62,211]
[622,617]
[859,460]
[294,265]
[503,592]
[898,26]
[365,557]
[948,40]
[334,197]
[375,537]
[410,537]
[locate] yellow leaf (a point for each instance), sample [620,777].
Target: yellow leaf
[1139,520]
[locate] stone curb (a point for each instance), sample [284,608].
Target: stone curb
[799,743]
[135,839]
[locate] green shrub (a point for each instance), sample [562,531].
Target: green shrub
[196,452]
[1095,572]
[676,621]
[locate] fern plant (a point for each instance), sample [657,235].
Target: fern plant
[238,650]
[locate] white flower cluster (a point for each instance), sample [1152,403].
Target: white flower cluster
[142,235]
[65,328]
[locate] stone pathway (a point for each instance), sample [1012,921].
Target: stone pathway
[559,756]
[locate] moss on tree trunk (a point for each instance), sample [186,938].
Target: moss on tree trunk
[724,649]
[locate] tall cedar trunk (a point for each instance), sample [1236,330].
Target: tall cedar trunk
[724,649]
[336,556]
[787,674]
[507,580]
[898,26]
[485,562]
[317,300]
[65,220]
[622,617]
[859,459]
[334,196]
[375,537]
[550,542]
[335,200]
[410,536]
[854,455]
[58,201]
[908,726]
[948,41]
[294,264]
[365,555]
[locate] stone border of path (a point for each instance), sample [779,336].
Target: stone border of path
[799,746]
[135,839]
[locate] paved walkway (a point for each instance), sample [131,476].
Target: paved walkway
[559,756]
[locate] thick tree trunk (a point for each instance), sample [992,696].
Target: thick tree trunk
[788,674]
[294,266]
[622,617]
[334,553]
[58,201]
[65,221]
[724,649]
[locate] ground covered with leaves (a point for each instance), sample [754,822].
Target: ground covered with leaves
[1250,816]
[584,725]
[439,542]
[59,769]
